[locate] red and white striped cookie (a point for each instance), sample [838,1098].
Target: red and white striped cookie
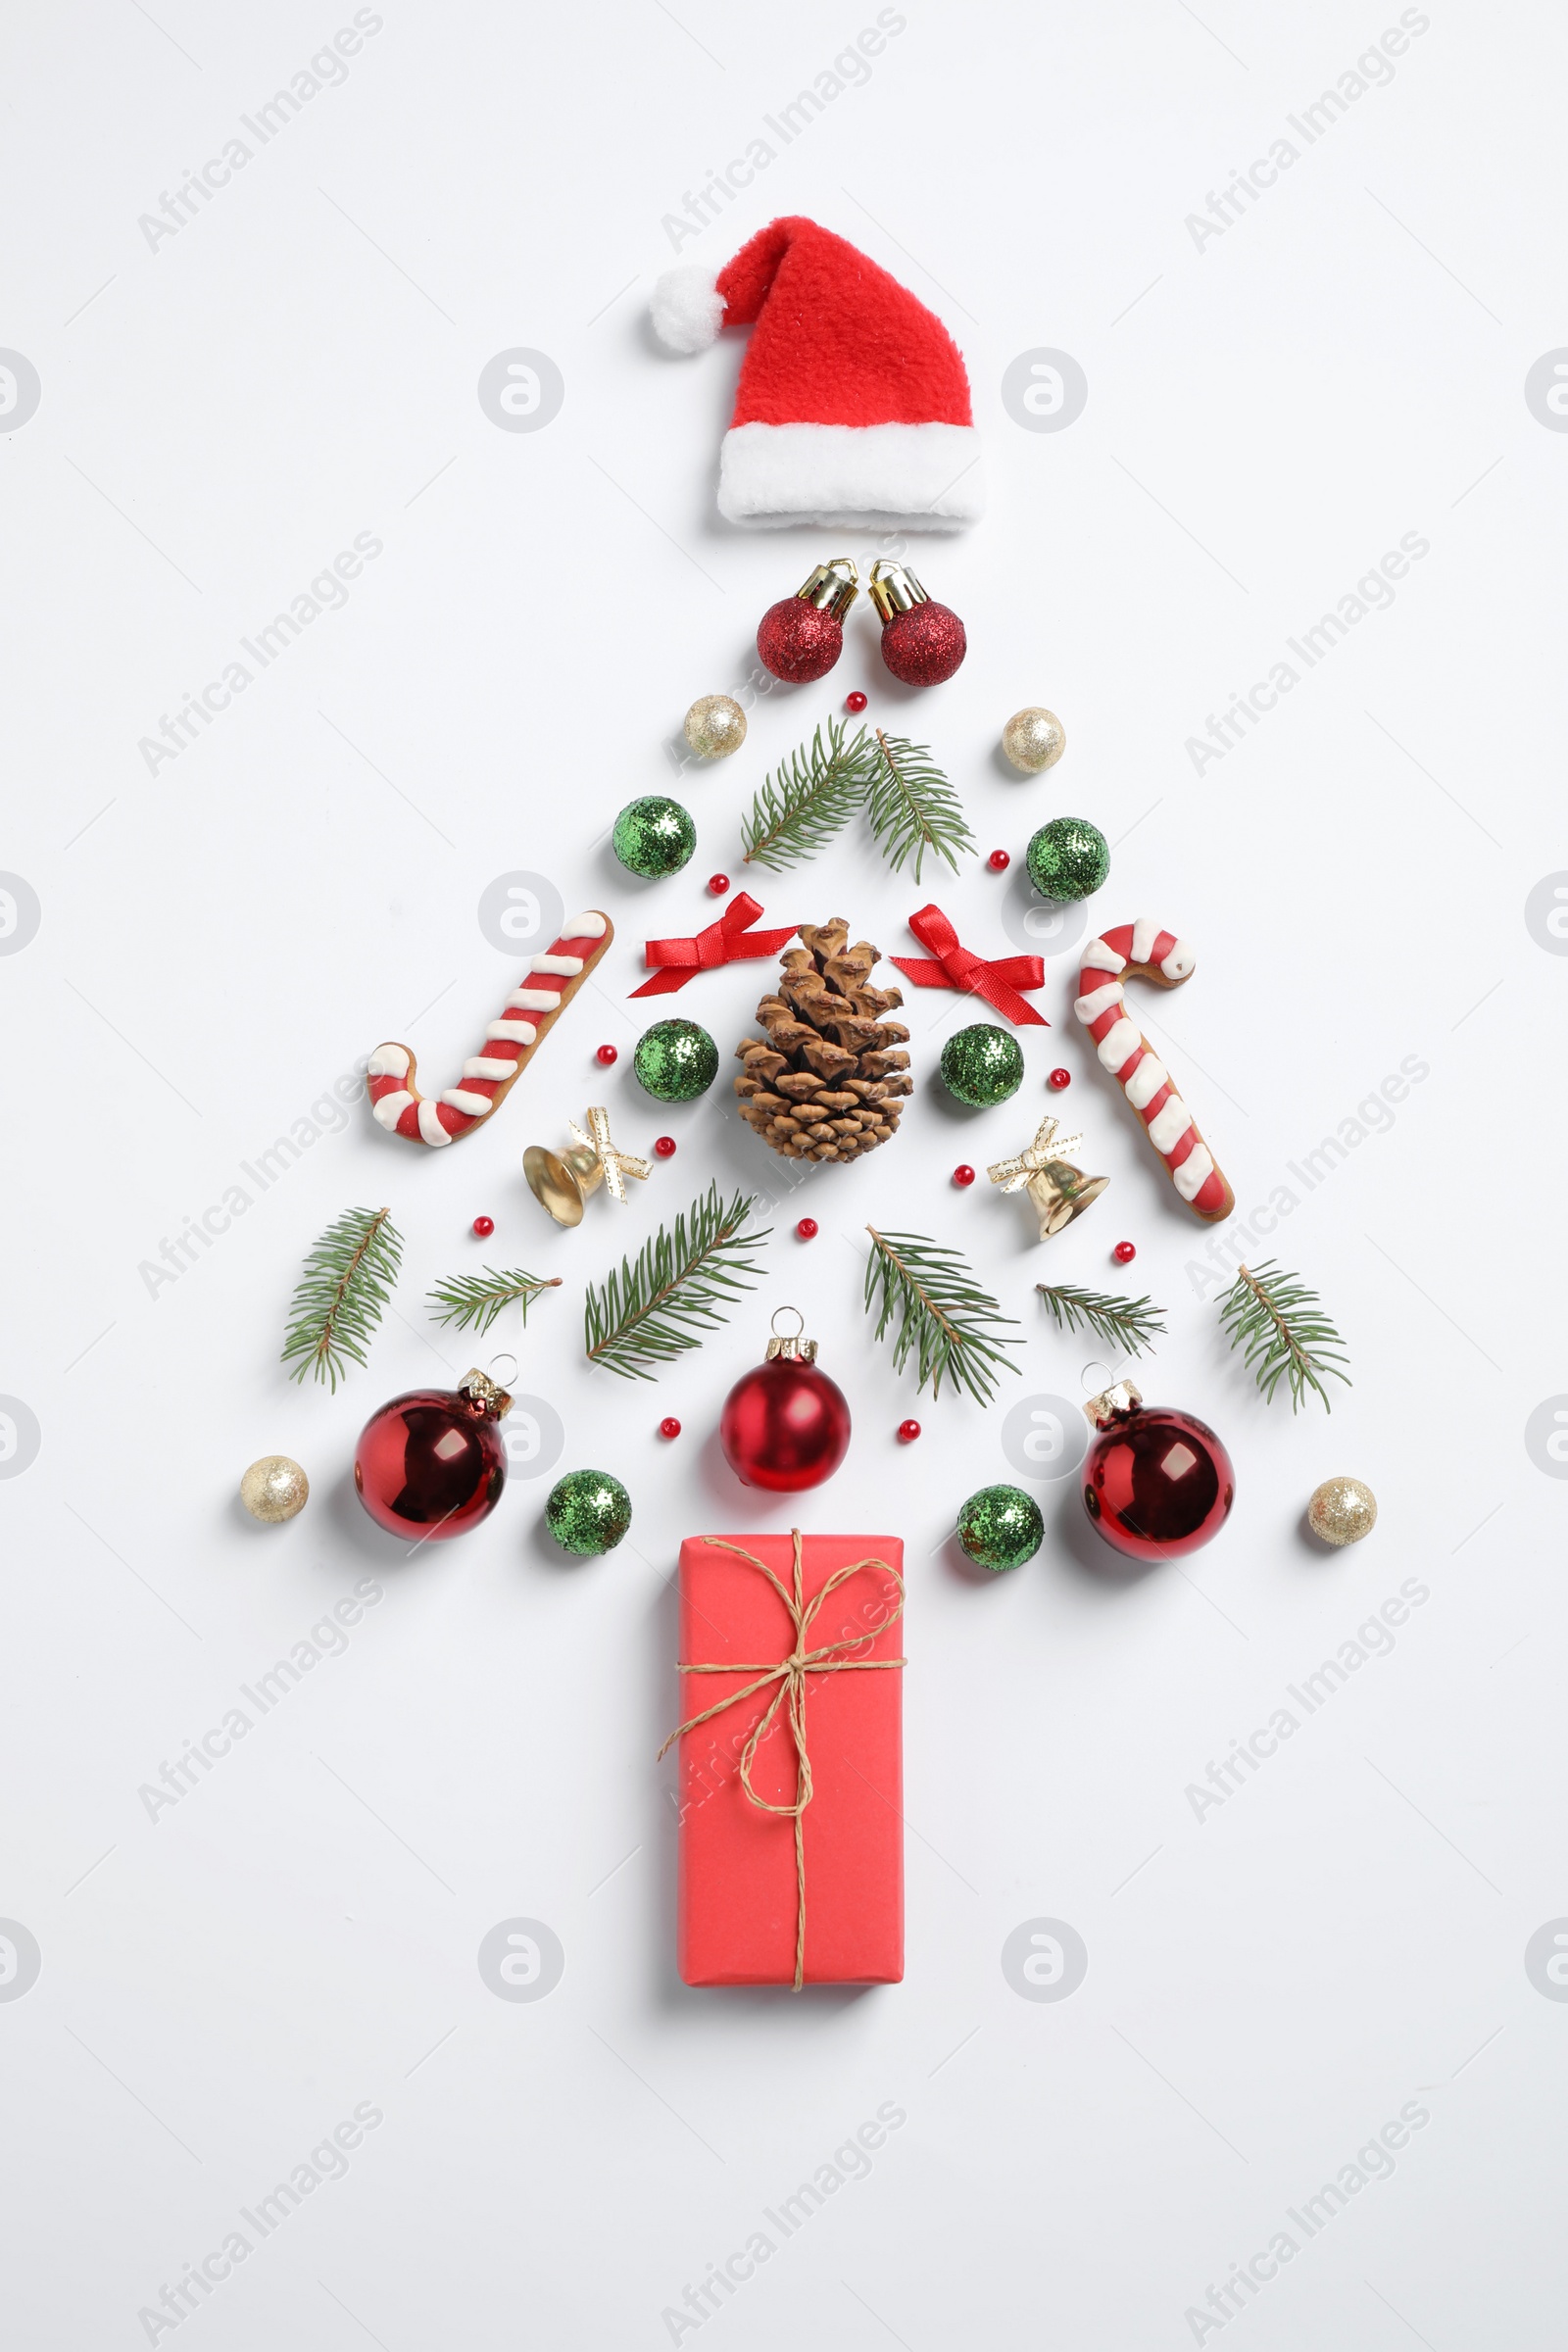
[551,981]
[1142,950]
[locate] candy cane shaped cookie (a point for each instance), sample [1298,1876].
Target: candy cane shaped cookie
[551,981]
[1142,950]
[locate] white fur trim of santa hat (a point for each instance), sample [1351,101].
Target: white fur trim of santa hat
[918,476]
[688,309]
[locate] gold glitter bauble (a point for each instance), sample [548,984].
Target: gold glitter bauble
[1341,1510]
[274,1488]
[714,726]
[1034,740]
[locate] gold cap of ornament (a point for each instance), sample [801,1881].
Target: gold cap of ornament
[832,587]
[1120,1398]
[793,1347]
[894,589]
[481,1390]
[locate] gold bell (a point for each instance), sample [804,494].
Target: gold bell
[562,1181]
[1060,1192]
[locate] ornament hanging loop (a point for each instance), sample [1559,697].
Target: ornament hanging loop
[505,1379]
[794,1347]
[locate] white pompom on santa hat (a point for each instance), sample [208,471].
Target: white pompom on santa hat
[852,405]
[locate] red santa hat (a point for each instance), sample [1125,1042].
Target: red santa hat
[852,405]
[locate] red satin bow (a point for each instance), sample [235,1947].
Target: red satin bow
[731,940]
[955,967]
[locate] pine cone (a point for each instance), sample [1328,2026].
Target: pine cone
[827,1079]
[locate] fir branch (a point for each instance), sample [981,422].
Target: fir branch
[809,799]
[913,808]
[338,1300]
[943,1313]
[1131,1324]
[655,1307]
[1286,1335]
[473,1302]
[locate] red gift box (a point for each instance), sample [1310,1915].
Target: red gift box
[791,1760]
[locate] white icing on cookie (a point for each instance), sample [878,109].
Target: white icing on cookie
[536,1000]
[567,966]
[1098,999]
[1144,934]
[388,1061]
[1145,1082]
[480,1065]
[391,1107]
[520,1033]
[472,1107]
[584,926]
[1119,1044]
[1097,957]
[1193,1173]
[1180,963]
[430,1126]
[1169,1124]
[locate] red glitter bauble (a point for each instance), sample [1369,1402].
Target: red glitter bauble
[798,643]
[908,1431]
[1157,1483]
[924,645]
[669,1427]
[1124,1254]
[431,1464]
[785,1425]
[1058,1079]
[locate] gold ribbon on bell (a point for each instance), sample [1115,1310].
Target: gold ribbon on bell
[562,1181]
[1060,1190]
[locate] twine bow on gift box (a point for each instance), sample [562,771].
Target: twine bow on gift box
[731,940]
[999,982]
[790,1674]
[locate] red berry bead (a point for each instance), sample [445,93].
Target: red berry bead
[719,884]
[855,702]
[1124,1254]
[908,1431]
[664,1146]
[806,1229]
[963,1174]
[999,862]
[484,1227]
[1058,1079]
[606,1055]
[669,1427]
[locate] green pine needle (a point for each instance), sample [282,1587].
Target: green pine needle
[473,1302]
[913,808]
[809,799]
[945,1318]
[338,1300]
[1131,1324]
[1286,1335]
[680,1286]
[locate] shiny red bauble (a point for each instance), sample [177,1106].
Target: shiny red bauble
[806,1229]
[432,1463]
[484,1227]
[999,862]
[963,1174]
[1156,1482]
[664,1146]
[669,1427]
[925,645]
[719,884]
[1124,1254]
[1058,1079]
[908,1431]
[785,1425]
[798,642]
[608,1055]
[855,704]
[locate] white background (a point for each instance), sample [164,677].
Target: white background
[1268,1984]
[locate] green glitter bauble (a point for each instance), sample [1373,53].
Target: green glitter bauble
[1001,1526]
[982,1065]
[588,1512]
[675,1061]
[1068,859]
[653,837]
